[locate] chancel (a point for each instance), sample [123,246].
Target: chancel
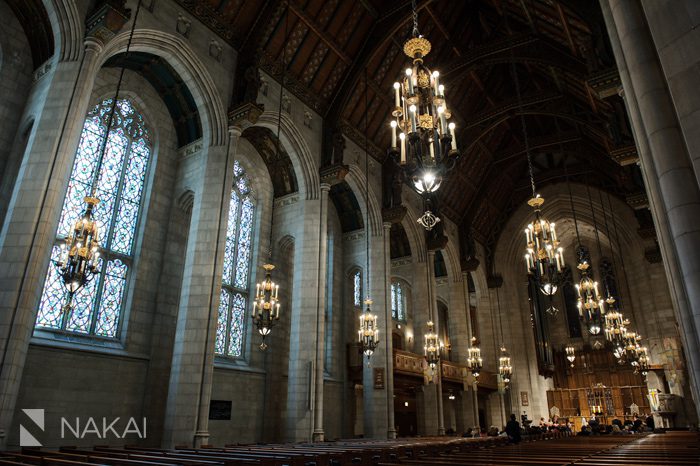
[334,232]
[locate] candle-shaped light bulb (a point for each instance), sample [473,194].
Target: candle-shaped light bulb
[452,134]
[409,73]
[402,137]
[412,110]
[443,122]
[441,90]
[397,95]
[393,133]
[436,75]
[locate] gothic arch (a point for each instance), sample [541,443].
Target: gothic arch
[304,164]
[357,182]
[193,72]
[67,28]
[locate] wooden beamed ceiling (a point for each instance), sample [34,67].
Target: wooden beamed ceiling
[557,45]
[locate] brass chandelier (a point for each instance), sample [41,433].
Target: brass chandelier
[266,307]
[474,361]
[505,369]
[432,346]
[591,307]
[368,334]
[570,352]
[421,138]
[78,261]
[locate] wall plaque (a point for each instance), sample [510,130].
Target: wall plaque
[220,410]
[524,400]
[379,378]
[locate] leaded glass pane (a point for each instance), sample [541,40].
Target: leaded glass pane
[236,271]
[222,323]
[399,302]
[394,309]
[237,324]
[97,306]
[243,258]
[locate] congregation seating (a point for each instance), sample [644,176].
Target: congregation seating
[670,449]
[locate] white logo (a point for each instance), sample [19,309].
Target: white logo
[25,438]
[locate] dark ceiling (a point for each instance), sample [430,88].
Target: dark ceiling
[575,122]
[558,47]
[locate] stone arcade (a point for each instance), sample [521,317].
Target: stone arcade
[243,127]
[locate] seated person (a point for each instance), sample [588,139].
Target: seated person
[585,431]
[513,429]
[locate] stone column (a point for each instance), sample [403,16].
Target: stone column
[391,426]
[302,342]
[28,233]
[673,190]
[321,314]
[376,400]
[192,369]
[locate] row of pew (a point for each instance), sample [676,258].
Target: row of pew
[670,449]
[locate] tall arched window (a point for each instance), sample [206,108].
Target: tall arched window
[97,307]
[357,288]
[398,302]
[230,328]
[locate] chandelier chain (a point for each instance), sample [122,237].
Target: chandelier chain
[113,108]
[622,260]
[523,125]
[366,181]
[279,117]
[571,200]
[415,19]
[595,228]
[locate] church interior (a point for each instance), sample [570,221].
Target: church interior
[336,232]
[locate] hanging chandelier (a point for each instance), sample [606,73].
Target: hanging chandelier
[474,361]
[505,369]
[615,322]
[266,307]
[591,307]
[544,257]
[432,346]
[368,335]
[421,137]
[78,261]
[570,352]
[642,361]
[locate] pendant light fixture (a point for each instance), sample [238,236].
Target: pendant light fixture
[422,140]
[79,259]
[432,346]
[368,334]
[474,360]
[544,257]
[591,306]
[266,306]
[505,369]
[570,352]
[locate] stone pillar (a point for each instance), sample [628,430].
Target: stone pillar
[377,402]
[321,314]
[302,342]
[391,425]
[29,230]
[673,190]
[192,368]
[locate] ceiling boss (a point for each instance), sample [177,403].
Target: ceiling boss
[422,140]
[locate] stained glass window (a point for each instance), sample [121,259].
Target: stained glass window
[398,310]
[97,307]
[357,288]
[230,327]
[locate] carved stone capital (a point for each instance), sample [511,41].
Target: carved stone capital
[106,21]
[334,174]
[245,115]
[625,155]
[469,265]
[394,214]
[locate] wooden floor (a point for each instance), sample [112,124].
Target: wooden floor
[674,448]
